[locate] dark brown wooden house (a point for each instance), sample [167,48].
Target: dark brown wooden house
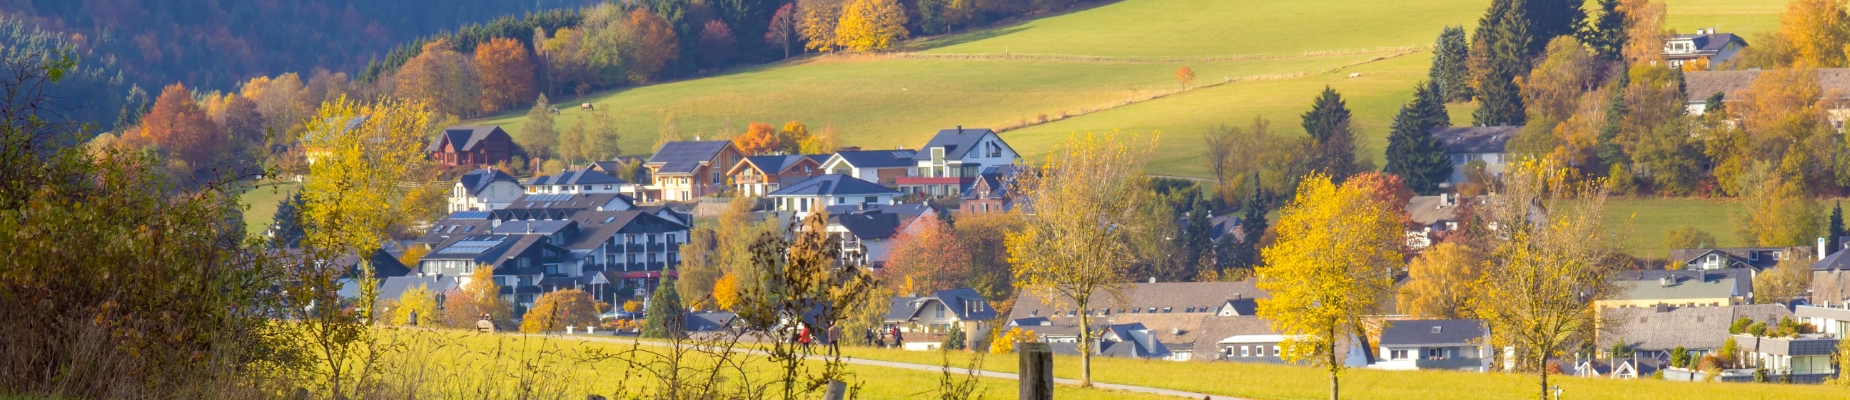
[471,145]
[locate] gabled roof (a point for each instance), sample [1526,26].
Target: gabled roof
[1178,296]
[773,164]
[571,201]
[992,182]
[685,157]
[1427,210]
[956,142]
[877,158]
[596,227]
[1751,257]
[1695,328]
[1433,332]
[464,137]
[1699,85]
[476,181]
[395,287]
[478,248]
[540,227]
[832,185]
[576,177]
[868,226]
[1476,139]
[1707,44]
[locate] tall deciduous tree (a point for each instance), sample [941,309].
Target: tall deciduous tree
[717,44]
[930,255]
[1817,31]
[823,141]
[1413,153]
[1450,69]
[700,268]
[1644,30]
[648,42]
[1548,268]
[1441,282]
[759,138]
[177,125]
[507,73]
[538,136]
[418,302]
[1783,283]
[1328,270]
[1778,213]
[441,77]
[790,139]
[984,237]
[601,140]
[871,25]
[1185,76]
[783,28]
[816,23]
[1074,246]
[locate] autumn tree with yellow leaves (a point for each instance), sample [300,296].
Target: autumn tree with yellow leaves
[1441,282]
[1077,243]
[556,310]
[1328,269]
[1551,261]
[871,25]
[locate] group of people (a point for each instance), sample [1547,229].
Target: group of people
[878,336]
[832,338]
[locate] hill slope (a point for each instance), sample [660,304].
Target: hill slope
[1092,59]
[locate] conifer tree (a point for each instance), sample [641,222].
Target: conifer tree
[1327,114]
[1837,228]
[1449,69]
[1609,149]
[1333,149]
[1505,57]
[1606,36]
[1245,251]
[1413,153]
[664,318]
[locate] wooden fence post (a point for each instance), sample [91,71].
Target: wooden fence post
[1036,371]
[836,391]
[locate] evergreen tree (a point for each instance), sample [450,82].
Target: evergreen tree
[1837,228]
[1413,152]
[1505,58]
[1245,252]
[1449,68]
[1606,36]
[1609,149]
[286,225]
[1328,113]
[1196,232]
[664,319]
[1714,104]
[1546,19]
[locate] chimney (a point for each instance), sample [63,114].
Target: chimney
[1823,249]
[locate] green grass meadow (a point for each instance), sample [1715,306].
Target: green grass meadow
[260,203]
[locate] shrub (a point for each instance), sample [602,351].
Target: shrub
[954,340]
[1679,357]
[1757,329]
[1740,326]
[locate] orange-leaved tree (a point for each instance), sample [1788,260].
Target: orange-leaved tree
[441,77]
[928,252]
[759,138]
[177,125]
[507,73]
[648,43]
[1185,76]
[1817,31]
[556,310]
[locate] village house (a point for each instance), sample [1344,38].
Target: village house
[933,316]
[1829,318]
[1756,258]
[1830,278]
[1434,216]
[683,171]
[581,181]
[865,238]
[1700,85]
[1475,143]
[761,175]
[990,192]
[519,261]
[471,146]
[1176,314]
[953,160]
[1805,357]
[883,167]
[820,192]
[484,189]
[1703,48]
[1698,288]
[1652,332]
[1447,344]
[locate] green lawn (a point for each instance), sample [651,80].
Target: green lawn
[458,364]
[1647,219]
[260,204]
[1265,381]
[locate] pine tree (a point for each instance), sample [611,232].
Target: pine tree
[1196,232]
[1609,149]
[1245,252]
[1327,114]
[1505,58]
[664,319]
[1546,19]
[1606,36]
[1449,69]
[1837,228]
[1413,152]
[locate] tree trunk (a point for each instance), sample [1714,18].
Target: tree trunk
[1335,364]
[1085,344]
[1544,368]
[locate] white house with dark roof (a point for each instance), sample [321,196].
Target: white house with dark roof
[1476,143]
[883,167]
[866,238]
[1448,344]
[581,181]
[485,189]
[936,313]
[953,160]
[1652,332]
[1717,48]
[818,193]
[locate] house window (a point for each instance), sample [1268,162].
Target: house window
[606,187]
[1245,351]
[872,199]
[1753,256]
[651,258]
[841,200]
[671,238]
[1152,310]
[1166,310]
[1259,351]
[1397,355]
[940,311]
[588,187]
[1435,353]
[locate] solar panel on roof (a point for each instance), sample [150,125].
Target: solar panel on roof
[469,215]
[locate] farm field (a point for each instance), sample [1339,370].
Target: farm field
[1645,221]
[259,204]
[460,364]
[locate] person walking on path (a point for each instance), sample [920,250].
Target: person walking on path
[834,340]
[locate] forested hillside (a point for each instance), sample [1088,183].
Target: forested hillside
[215,44]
